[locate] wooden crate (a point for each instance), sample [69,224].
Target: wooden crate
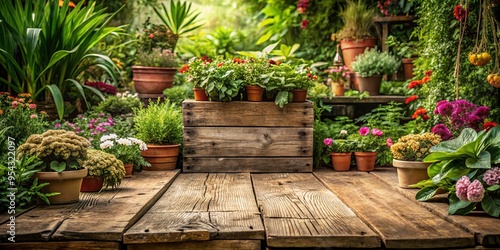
[247,137]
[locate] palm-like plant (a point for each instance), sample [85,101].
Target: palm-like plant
[44,47]
[178,17]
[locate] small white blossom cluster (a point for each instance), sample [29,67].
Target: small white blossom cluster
[108,141]
[127,94]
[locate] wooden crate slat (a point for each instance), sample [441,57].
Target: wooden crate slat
[98,216]
[399,222]
[299,211]
[246,114]
[250,164]
[197,245]
[247,142]
[201,206]
[73,245]
[485,228]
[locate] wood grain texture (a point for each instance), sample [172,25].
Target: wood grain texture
[486,229]
[201,207]
[205,245]
[98,216]
[250,164]
[246,114]
[399,222]
[247,142]
[299,211]
[73,245]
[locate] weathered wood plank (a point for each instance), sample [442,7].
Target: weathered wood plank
[299,211]
[486,229]
[201,207]
[197,245]
[250,164]
[399,222]
[246,114]
[74,245]
[98,216]
[247,141]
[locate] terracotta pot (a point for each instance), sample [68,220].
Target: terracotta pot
[91,184]
[370,84]
[351,48]
[341,161]
[408,67]
[161,157]
[67,183]
[254,93]
[129,168]
[200,94]
[337,88]
[410,172]
[152,80]
[299,95]
[365,161]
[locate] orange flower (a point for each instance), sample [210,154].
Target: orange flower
[425,79]
[411,99]
[71,4]
[1,112]
[414,84]
[184,68]
[420,112]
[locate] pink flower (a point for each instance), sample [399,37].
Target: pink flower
[33,116]
[461,188]
[475,191]
[377,132]
[304,24]
[57,125]
[32,106]
[364,131]
[328,141]
[151,36]
[389,142]
[14,104]
[492,176]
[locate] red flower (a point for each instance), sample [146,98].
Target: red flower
[239,60]
[425,117]
[489,125]
[184,68]
[304,24]
[220,64]
[425,80]
[151,36]
[414,84]
[420,112]
[460,12]
[411,99]
[428,72]
[206,59]
[271,61]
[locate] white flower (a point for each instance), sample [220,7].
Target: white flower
[343,132]
[118,95]
[106,144]
[143,146]
[108,137]
[124,141]
[135,95]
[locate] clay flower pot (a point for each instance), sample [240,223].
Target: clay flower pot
[410,172]
[67,183]
[91,184]
[365,161]
[200,94]
[370,84]
[129,168]
[299,95]
[161,157]
[341,161]
[254,93]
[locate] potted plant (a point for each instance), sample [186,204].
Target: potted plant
[407,51]
[337,77]
[370,68]
[468,168]
[355,36]
[224,80]
[254,85]
[366,144]
[408,153]
[128,150]
[160,126]
[196,71]
[105,170]
[60,151]
[340,152]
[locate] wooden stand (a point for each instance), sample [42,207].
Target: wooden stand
[247,137]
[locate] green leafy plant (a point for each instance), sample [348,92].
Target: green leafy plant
[157,58]
[368,140]
[408,49]
[277,23]
[178,93]
[358,20]
[372,62]
[59,150]
[121,103]
[44,47]
[469,159]
[223,80]
[178,17]
[339,145]
[159,123]
[106,166]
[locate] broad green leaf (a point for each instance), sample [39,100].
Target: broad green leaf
[264,38]
[58,99]
[491,205]
[426,193]
[460,207]
[483,160]
[281,99]
[57,166]
[466,136]
[493,188]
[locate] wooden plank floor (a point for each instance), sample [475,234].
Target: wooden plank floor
[102,216]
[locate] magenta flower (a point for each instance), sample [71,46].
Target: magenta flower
[364,131]
[461,188]
[492,176]
[389,142]
[377,132]
[57,125]
[475,191]
[443,131]
[328,141]
[443,107]
[482,112]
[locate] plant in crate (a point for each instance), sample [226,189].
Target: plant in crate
[60,152]
[370,68]
[408,153]
[159,126]
[103,166]
[224,80]
[468,168]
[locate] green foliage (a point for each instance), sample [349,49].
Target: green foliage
[35,62]
[159,123]
[224,81]
[157,58]
[21,123]
[372,62]
[119,105]
[178,93]
[403,49]
[358,20]
[277,23]
[27,188]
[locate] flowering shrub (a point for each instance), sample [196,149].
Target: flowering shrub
[121,103]
[128,150]
[368,140]
[457,115]
[339,144]
[414,147]
[340,74]
[102,86]
[106,166]
[157,58]
[156,45]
